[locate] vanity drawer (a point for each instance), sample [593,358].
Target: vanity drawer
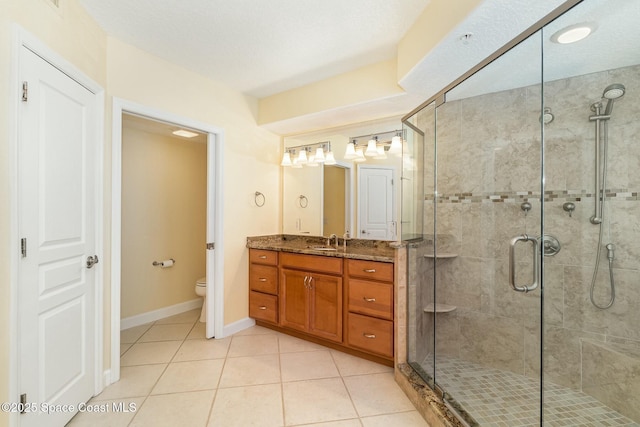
[371,298]
[319,263]
[371,334]
[263,307]
[259,256]
[373,270]
[263,278]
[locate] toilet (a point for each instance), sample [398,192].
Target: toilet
[201,291]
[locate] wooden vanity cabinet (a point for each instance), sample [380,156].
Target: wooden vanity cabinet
[311,295]
[341,303]
[263,285]
[369,309]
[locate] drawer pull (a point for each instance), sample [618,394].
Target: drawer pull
[369,270]
[262,256]
[262,279]
[370,336]
[369,299]
[262,307]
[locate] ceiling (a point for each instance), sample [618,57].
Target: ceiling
[261,47]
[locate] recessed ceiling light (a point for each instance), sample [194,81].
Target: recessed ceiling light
[573,33]
[184,133]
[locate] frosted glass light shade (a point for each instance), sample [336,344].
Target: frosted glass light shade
[359,156]
[296,165]
[381,155]
[302,157]
[286,160]
[350,153]
[330,159]
[372,149]
[312,162]
[396,146]
[319,155]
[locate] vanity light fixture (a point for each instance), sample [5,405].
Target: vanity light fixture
[372,149]
[302,157]
[350,153]
[290,159]
[184,133]
[573,33]
[396,145]
[286,159]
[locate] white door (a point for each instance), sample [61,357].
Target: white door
[376,204]
[56,292]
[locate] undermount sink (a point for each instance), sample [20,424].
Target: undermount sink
[322,248]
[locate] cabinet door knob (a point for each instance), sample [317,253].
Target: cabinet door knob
[262,256]
[262,307]
[262,279]
[369,299]
[370,336]
[369,270]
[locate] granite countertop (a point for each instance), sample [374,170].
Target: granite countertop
[368,250]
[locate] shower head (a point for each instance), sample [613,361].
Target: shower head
[612,92]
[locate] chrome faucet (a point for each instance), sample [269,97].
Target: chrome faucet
[345,237]
[333,236]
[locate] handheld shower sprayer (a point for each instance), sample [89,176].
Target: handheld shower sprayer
[611,93]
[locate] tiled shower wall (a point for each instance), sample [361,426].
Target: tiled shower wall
[488,165]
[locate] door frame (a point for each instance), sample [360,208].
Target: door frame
[23,39]
[395,197]
[215,272]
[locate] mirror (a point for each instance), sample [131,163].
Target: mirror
[362,199]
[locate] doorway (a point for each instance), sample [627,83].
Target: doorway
[214,237]
[377,217]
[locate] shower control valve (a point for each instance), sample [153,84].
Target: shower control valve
[569,207]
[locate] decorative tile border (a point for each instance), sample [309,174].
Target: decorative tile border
[525,196]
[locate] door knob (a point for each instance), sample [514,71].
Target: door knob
[92,260]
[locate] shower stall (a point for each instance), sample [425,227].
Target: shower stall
[521,219]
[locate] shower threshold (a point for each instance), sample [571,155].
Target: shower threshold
[505,399]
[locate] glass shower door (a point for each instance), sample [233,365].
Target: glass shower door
[487,222]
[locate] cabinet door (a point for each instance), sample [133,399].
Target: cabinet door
[293,299]
[325,306]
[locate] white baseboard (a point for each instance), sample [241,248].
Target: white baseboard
[161,313]
[238,326]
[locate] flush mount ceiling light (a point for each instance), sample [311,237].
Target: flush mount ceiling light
[184,133]
[573,33]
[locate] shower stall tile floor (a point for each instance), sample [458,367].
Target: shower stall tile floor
[499,398]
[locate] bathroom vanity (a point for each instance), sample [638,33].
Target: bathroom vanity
[341,298]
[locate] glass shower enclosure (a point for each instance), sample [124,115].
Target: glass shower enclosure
[524,229]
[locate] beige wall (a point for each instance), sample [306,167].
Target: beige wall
[250,153]
[334,193]
[164,206]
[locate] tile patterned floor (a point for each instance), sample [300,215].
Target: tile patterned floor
[504,399]
[257,377]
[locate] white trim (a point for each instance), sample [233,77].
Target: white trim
[215,288]
[161,313]
[22,38]
[238,326]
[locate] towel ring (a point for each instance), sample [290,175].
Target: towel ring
[257,197]
[303,201]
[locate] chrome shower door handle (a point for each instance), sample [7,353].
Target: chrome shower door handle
[512,263]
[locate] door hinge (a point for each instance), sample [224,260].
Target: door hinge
[211,246]
[23,403]
[23,247]
[25,91]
